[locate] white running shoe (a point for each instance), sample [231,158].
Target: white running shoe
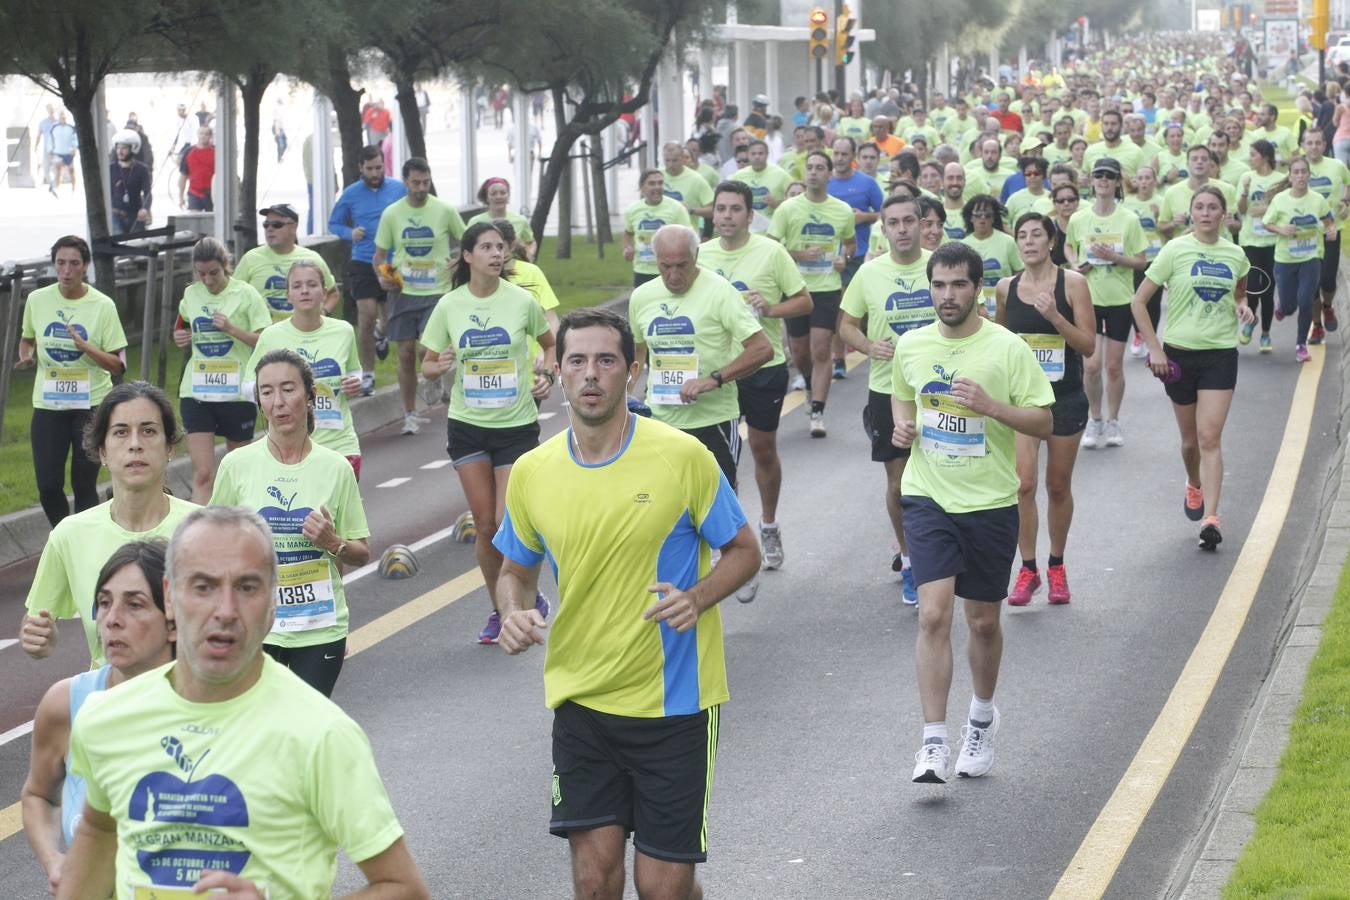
[771,543]
[1111,432]
[412,423]
[1092,435]
[817,424]
[930,764]
[746,592]
[1137,346]
[798,384]
[977,748]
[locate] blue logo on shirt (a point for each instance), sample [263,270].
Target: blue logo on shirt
[422,234]
[1212,280]
[483,336]
[62,331]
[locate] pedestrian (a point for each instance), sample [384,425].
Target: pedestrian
[196,171]
[635,735]
[42,143]
[130,186]
[65,143]
[279,128]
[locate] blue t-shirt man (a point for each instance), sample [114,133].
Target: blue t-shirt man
[861,192]
[359,206]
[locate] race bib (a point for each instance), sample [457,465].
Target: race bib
[759,223]
[158,892]
[1304,244]
[215,380]
[327,410]
[1049,350]
[950,428]
[669,373]
[1114,241]
[490,383]
[1154,245]
[66,387]
[1259,228]
[418,273]
[827,245]
[305,598]
[645,253]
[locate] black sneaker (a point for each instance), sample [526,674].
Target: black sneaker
[381,343]
[1210,537]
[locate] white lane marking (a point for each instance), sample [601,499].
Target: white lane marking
[7,641]
[414,547]
[16,732]
[436,464]
[545,416]
[393,482]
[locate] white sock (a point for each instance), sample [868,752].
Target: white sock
[904,561]
[768,526]
[935,732]
[981,711]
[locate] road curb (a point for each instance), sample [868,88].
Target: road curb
[24,533]
[1255,762]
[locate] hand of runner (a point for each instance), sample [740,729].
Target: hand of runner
[628,253]
[318,528]
[182,338]
[27,356]
[1045,305]
[220,320]
[757,303]
[351,385]
[1105,252]
[80,343]
[386,284]
[38,635]
[882,349]
[838,263]
[690,390]
[235,888]
[358,233]
[1157,361]
[971,396]
[520,630]
[676,607]
[1245,314]
[542,387]
[903,435]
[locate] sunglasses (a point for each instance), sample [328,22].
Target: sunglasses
[982,214]
[271,225]
[1067,200]
[1109,176]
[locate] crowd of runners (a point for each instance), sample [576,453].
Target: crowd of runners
[996,257]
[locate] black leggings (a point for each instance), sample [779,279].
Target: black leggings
[1262,258]
[1154,303]
[318,666]
[58,435]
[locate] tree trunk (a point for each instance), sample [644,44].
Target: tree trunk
[347,106]
[603,233]
[406,95]
[251,94]
[560,161]
[93,170]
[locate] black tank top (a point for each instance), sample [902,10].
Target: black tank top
[1022,318]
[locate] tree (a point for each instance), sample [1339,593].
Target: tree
[68,47]
[910,32]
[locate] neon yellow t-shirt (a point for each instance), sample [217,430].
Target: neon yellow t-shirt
[524,233]
[856,127]
[1127,153]
[610,529]
[267,785]
[266,270]
[1109,284]
[1147,213]
[1024,201]
[66,377]
[75,552]
[422,241]
[494,367]
[1167,161]
[1200,280]
[330,351]
[643,220]
[691,189]
[1177,200]
[771,182]
[532,278]
[311,604]
[1254,232]
[801,223]
[760,265]
[1329,177]
[1001,259]
[962,461]
[217,367]
[893,298]
[1305,213]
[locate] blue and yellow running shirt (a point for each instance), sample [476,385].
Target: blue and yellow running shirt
[649,514]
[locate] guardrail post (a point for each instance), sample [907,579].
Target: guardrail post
[166,305]
[11,346]
[148,317]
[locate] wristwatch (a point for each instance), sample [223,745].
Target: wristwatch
[716,375]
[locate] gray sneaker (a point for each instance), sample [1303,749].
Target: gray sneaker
[367,383]
[817,425]
[1111,434]
[1092,435]
[771,545]
[746,593]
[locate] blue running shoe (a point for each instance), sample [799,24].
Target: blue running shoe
[541,606]
[909,591]
[491,630]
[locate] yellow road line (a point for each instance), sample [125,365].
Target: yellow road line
[415,610]
[1093,867]
[795,399]
[11,822]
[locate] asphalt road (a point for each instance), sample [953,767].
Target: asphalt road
[812,795]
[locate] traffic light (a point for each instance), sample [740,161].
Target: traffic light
[1318,23]
[818,43]
[843,37]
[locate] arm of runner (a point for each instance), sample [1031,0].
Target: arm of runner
[114,363]
[41,798]
[434,364]
[27,354]
[1157,359]
[903,413]
[757,351]
[628,251]
[88,870]
[1033,421]
[637,384]
[799,304]
[1001,301]
[521,622]
[38,634]
[739,562]
[392,874]
[850,330]
[1081,333]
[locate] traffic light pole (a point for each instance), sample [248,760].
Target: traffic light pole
[839,80]
[820,77]
[1321,67]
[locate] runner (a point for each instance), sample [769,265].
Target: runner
[863,195]
[1126,153]
[986,233]
[767,183]
[481,328]
[634,735]
[1257,188]
[128,606]
[328,345]
[356,218]
[520,271]
[686,185]
[1331,179]
[308,496]
[495,193]
[1034,197]
[1051,309]
[134,432]
[415,233]
[225,716]
[219,319]
[1173,220]
[1106,243]
[72,334]
[891,293]
[818,231]
[773,288]
[978,384]
[643,218]
[1202,272]
[266,265]
[931,234]
[1065,198]
[1169,165]
[1144,203]
[1298,217]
